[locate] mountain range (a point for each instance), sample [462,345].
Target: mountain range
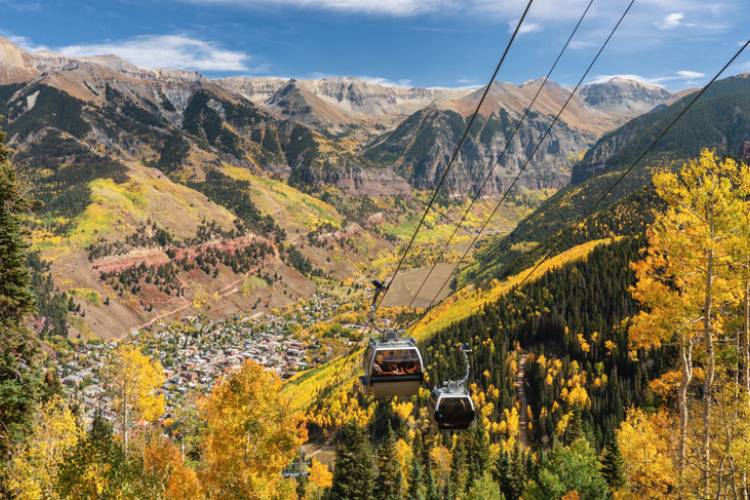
[340,131]
[145,176]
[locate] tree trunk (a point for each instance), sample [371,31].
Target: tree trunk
[124,418]
[686,358]
[730,435]
[709,374]
[745,337]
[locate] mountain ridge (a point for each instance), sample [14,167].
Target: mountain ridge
[719,119]
[313,132]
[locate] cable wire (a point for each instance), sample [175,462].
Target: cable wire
[533,152]
[455,152]
[501,156]
[627,171]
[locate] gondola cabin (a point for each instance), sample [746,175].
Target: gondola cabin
[392,368]
[453,410]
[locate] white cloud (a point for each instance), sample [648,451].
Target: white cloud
[21,6]
[624,76]
[526,27]
[671,21]
[504,9]
[166,51]
[683,76]
[581,44]
[386,82]
[24,42]
[389,7]
[689,75]
[547,10]
[544,13]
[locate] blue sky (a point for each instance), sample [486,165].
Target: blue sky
[676,43]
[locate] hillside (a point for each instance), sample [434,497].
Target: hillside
[340,373]
[419,147]
[559,337]
[719,121]
[154,186]
[176,121]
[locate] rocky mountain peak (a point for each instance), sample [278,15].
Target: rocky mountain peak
[11,54]
[258,90]
[624,96]
[15,64]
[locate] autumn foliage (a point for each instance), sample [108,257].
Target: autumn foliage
[620,371]
[251,434]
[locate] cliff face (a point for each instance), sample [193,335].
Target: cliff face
[421,146]
[351,95]
[103,110]
[336,106]
[17,66]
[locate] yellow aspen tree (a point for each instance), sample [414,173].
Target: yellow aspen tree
[739,447]
[320,479]
[251,434]
[644,445]
[163,461]
[730,427]
[742,265]
[32,472]
[404,455]
[134,381]
[682,281]
[441,457]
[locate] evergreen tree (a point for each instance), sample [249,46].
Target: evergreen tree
[503,475]
[511,472]
[388,482]
[417,486]
[570,468]
[484,488]
[21,378]
[531,467]
[16,297]
[457,482]
[477,454]
[98,467]
[575,427]
[353,476]
[612,464]
[431,489]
